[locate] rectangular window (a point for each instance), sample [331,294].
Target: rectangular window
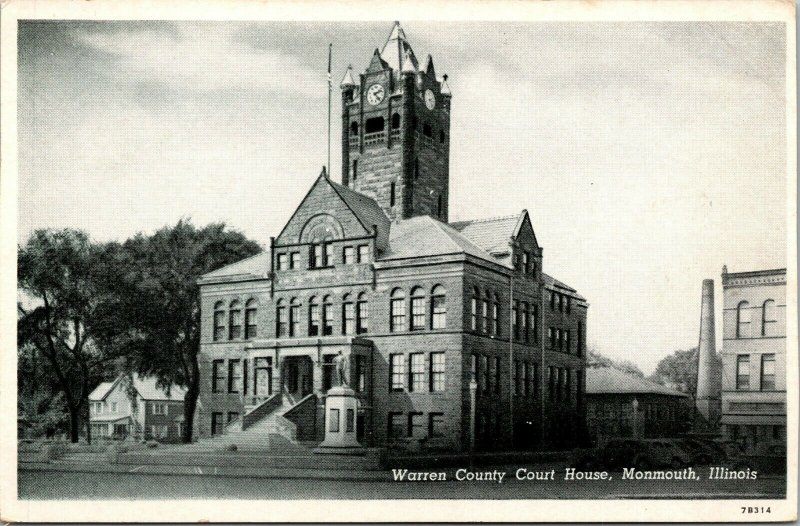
[437,372]
[391,194]
[535,380]
[524,319]
[551,335]
[361,373]
[234,376]
[329,255]
[497,374]
[496,319]
[316,256]
[282,260]
[559,340]
[363,253]
[579,350]
[235,329]
[526,262]
[485,312]
[552,300]
[395,425]
[551,382]
[333,420]
[490,374]
[294,260]
[565,335]
[561,303]
[515,320]
[417,372]
[355,167]
[767,372]
[416,429]
[569,304]
[435,425]
[474,367]
[515,377]
[568,385]
[348,255]
[485,372]
[217,376]
[327,318]
[743,372]
[535,323]
[417,313]
[526,375]
[216,423]
[363,317]
[159,408]
[250,323]
[397,371]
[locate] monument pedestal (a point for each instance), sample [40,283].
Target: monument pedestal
[341,408]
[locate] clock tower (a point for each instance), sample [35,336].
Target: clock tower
[396,132]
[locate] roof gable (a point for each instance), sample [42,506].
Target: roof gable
[524,228]
[350,212]
[424,236]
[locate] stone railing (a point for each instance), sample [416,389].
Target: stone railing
[374,138]
[260,411]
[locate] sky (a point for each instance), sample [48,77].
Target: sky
[648,154]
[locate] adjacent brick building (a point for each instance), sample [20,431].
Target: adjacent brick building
[372,269]
[754,357]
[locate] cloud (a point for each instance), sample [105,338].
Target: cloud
[200,58]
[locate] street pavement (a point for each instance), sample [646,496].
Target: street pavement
[44,482]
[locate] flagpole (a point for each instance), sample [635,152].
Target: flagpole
[330,88]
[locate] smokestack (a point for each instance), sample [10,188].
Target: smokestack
[707,400]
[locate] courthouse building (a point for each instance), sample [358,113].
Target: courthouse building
[754,357]
[371,268]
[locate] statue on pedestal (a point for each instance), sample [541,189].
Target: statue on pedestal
[342,363]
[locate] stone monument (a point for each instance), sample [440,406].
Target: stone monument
[341,409]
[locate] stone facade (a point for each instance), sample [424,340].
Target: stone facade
[418,307]
[754,357]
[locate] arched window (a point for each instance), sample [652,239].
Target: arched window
[354,129]
[417,309]
[438,308]
[219,321]
[768,317]
[281,326]
[395,121]
[496,316]
[427,130]
[362,314]
[524,326]
[250,319]
[235,320]
[397,310]
[327,316]
[485,313]
[515,320]
[743,320]
[294,317]
[474,309]
[348,315]
[374,125]
[313,317]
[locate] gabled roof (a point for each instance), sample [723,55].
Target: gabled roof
[552,283]
[366,210]
[610,380]
[146,387]
[101,391]
[395,50]
[254,267]
[492,234]
[423,236]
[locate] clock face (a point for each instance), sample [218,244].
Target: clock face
[430,99]
[375,94]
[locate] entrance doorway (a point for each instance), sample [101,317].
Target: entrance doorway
[298,375]
[262,378]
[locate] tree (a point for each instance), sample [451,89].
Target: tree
[678,370]
[597,359]
[57,270]
[155,316]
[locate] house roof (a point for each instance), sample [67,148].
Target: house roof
[396,50]
[423,236]
[257,266]
[492,234]
[101,391]
[610,380]
[147,389]
[552,283]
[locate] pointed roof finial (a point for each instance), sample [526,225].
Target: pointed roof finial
[445,90]
[429,66]
[397,32]
[408,65]
[347,80]
[324,172]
